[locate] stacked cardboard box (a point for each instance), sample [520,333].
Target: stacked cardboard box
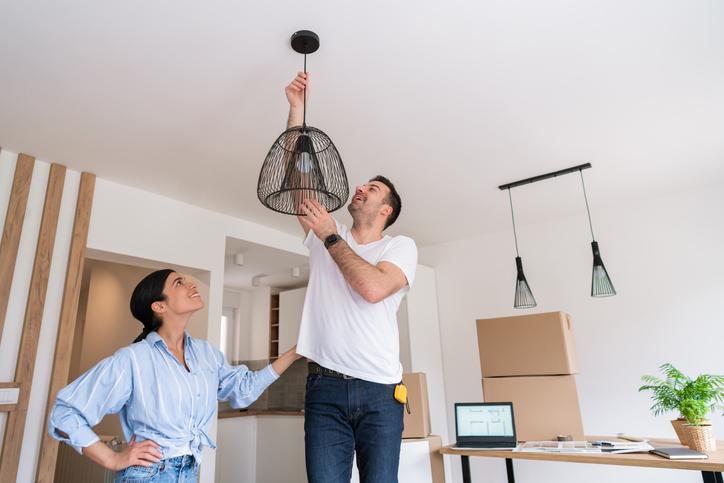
[417,421]
[530,360]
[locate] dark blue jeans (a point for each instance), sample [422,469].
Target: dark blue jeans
[344,416]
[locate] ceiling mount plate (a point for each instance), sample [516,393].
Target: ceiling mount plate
[305,41]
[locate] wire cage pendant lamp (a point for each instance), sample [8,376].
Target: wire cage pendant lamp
[523,295]
[303,162]
[601,285]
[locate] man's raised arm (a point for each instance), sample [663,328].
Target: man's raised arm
[295,95]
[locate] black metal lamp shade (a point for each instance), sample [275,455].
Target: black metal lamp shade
[523,295]
[601,285]
[302,163]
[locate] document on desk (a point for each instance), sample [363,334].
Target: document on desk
[580,447]
[584,447]
[620,447]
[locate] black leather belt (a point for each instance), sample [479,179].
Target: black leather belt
[315,368]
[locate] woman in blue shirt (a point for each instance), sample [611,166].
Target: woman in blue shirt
[165,385]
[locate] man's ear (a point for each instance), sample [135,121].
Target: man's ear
[386,210]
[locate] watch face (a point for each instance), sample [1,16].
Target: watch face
[330,240]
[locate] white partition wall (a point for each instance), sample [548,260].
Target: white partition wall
[425,350]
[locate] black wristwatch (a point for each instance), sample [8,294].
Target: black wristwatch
[331,240]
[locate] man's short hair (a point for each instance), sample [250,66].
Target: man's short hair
[393,199]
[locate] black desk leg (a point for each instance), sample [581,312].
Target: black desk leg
[509,468]
[711,476]
[466,468]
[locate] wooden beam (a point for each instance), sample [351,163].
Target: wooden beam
[15,426]
[13,227]
[66,327]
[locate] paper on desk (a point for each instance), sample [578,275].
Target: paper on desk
[620,447]
[584,447]
[558,447]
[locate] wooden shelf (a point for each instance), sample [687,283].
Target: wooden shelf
[274,326]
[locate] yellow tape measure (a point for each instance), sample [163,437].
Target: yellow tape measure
[401,396]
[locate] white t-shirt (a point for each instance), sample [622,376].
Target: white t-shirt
[340,330]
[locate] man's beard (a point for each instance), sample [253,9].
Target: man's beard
[359,215]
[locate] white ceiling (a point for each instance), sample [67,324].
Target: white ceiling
[449,99]
[272,266]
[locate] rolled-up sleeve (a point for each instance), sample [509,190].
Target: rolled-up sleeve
[102,390]
[239,385]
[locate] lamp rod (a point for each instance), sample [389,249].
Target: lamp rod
[541,177]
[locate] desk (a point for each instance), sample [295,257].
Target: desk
[710,468]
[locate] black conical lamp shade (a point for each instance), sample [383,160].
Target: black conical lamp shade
[303,162]
[523,296]
[601,285]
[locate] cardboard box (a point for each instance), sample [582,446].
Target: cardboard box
[527,345]
[417,423]
[543,406]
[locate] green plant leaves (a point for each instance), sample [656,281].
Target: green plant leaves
[706,391]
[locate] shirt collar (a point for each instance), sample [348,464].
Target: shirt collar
[153,339]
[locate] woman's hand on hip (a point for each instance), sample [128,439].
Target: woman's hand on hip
[144,453]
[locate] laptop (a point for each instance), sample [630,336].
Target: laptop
[484,426]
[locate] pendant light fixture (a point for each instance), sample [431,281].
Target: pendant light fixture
[523,296]
[303,162]
[601,285]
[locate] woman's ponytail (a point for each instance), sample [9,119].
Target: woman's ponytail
[148,291]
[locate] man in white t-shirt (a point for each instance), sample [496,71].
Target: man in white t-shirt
[349,332]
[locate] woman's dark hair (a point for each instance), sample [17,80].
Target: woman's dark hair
[148,291]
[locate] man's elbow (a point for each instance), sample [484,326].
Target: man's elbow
[372,295]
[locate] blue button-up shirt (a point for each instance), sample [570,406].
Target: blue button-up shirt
[158,399]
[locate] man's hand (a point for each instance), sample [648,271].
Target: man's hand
[141,454]
[295,90]
[317,219]
[295,96]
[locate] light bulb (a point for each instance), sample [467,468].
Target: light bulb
[304,162]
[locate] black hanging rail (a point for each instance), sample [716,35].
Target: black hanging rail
[541,177]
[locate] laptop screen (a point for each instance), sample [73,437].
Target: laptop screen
[484,422]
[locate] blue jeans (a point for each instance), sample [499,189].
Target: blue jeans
[344,416]
[181,469]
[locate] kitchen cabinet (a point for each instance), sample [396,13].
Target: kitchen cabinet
[291,304]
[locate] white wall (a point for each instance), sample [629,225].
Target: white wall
[124,221]
[240,333]
[666,261]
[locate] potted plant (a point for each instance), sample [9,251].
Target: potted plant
[670,393]
[698,430]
